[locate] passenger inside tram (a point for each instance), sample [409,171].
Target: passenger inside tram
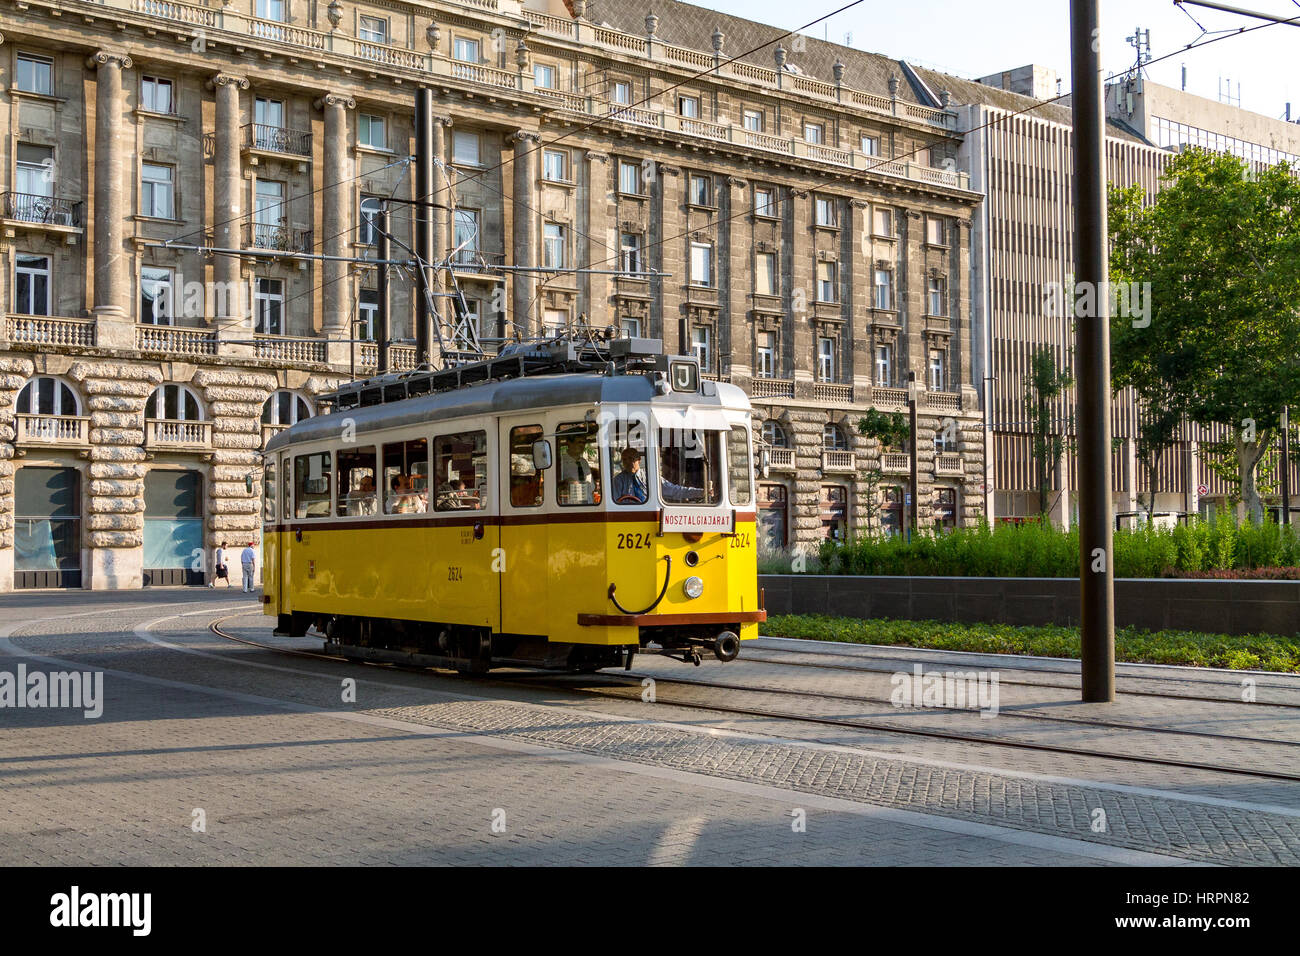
[629,483]
[579,466]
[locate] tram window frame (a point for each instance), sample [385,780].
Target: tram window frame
[268,492]
[629,434]
[347,502]
[591,455]
[404,463]
[674,464]
[305,500]
[738,440]
[469,500]
[286,488]
[519,448]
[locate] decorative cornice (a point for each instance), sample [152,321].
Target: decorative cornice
[105,57]
[228,79]
[336,99]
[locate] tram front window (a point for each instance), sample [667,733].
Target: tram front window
[627,447]
[578,474]
[690,466]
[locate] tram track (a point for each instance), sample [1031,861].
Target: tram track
[613,683]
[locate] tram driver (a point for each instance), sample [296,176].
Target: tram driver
[629,483]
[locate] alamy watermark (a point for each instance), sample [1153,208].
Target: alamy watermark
[77,690]
[1127,300]
[951,690]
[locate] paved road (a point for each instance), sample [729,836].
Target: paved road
[209,752]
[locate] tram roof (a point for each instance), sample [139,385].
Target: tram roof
[506,397]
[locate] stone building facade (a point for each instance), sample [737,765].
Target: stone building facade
[806,231]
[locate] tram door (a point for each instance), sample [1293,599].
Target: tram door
[524,546]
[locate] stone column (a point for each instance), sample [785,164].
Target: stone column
[602,244]
[444,193]
[736,250]
[112,298]
[525,315]
[337,199]
[227,205]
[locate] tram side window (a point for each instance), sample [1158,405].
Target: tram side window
[268,492]
[286,489]
[311,482]
[356,483]
[738,480]
[406,477]
[627,444]
[577,480]
[690,471]
[526,482]
[460,471]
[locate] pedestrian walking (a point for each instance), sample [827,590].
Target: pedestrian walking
[248,560]
[222,571]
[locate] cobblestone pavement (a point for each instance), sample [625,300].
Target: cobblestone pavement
[430,768]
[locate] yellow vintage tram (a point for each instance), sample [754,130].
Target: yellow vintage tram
[562,505]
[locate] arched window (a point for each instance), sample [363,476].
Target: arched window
[775,435]
[47,395]
[285,407]
[833,438]
[173,403]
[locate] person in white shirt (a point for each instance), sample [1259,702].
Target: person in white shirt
[576,479]
[248,559]
[219,567]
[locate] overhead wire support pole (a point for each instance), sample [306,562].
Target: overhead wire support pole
[1092,331]
[425,314]
[384,332]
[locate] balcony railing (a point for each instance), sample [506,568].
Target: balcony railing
[881,395]
[53,430]
[948,401]
[174,341]
[896,463]
[281,348]
[166,433]
[948,463]
[475,260]
[771,388]
[42,210]
[43,330]
[277,139]
[781,459]
[260,235]
[270,431]
[839,461]
[831,392]
[400,357]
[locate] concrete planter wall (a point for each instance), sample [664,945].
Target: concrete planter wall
[1224,607]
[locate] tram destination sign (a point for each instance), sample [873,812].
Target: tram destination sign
[697,519]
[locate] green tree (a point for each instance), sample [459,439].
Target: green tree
[1043,386]
[891,430]
[1219,250]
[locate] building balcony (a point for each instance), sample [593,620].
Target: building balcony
[260,235]
[888,397]
[284,348]
[60,431]
[41,212]
[169,340]
[46,330]
[833,393]
[401,358]
[475,262]
[168,435]
[945,401]
[771,388]
[838,461]
[781,459]
[261,138]
[896,463]
[948,463]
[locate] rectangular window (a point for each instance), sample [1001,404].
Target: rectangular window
[765,201]
[356,483]
[527,484]
[629,252]
[883,221]
[871,145]
[553,247]
[577,474]
[156,95]
[740,482]
[690,469]
[406,477]
[937,294]
[367,314]
[371,131]
[825,359]
[701,190]
[765,344]
[268,306]
[32,285]
[814,133]
[629,178]
[156,296]
[372,30]
[765,273]
[753,121]
[826,210]
[701,346]
[934,231]
[367,219]
[465,50]
[464,149]
[544,76]
[34,176]
[688,106]
[938,371]
[622,93]
[827,286]
[268,492]
[460,471]
[701,264]
[35,74]
[311,478]
[884,365]
[554,320]
[269,10]
[156,191]
[630,325]
[884,289]
[466,235]
[555,165]
[268,113]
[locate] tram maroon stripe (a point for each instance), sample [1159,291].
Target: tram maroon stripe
[627,620]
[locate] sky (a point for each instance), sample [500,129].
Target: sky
[978,37]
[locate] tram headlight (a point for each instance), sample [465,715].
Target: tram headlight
[693,587]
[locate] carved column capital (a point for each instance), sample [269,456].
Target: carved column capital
[336,99]
[228,79]
[594,156]
[524,136]
[108,58]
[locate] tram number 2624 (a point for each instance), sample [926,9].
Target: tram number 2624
[633,540]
